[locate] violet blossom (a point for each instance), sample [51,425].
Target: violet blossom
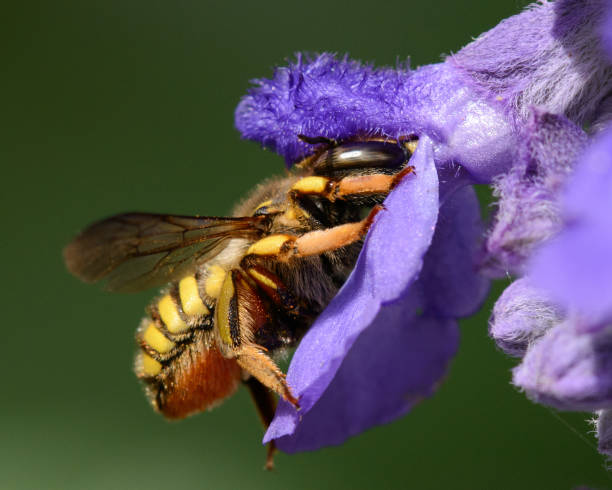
[553,226]
[385,340]
[508,110]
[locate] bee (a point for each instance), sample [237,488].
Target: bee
[242,289]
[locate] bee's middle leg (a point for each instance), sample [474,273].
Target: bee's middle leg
[285,247]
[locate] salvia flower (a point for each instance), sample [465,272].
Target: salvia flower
[384,342]
[508,109]
[553,224]
[522,315]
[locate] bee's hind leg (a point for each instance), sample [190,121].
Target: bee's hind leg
[265,405]
[240,313]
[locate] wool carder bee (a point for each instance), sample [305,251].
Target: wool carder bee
[241,289]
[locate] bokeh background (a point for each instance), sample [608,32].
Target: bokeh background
[117,105]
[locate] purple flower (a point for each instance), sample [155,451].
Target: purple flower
[385,341]
[508,110]
[568,369]
[553,223]
[521,316]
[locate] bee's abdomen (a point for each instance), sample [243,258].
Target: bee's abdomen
[170,326]
[182,368]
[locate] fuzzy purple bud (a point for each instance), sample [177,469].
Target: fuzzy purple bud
[569,369]
[522,315]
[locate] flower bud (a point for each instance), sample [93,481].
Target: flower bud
[521,315]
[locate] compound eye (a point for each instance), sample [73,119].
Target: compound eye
[262,208]
[261,211]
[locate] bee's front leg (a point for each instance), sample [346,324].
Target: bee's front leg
[347,188]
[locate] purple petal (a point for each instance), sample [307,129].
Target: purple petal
[528,209]
[394,248]
[521,315]
[341,99]
[549,56]
[576,266]
[390,260]
[590,185]
[569,369]
[393,365]
[451,283]
[577,270]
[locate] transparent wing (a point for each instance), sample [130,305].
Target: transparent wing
[135,251]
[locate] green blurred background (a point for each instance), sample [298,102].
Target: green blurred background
[110,106]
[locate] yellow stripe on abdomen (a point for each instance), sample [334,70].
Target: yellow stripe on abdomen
[191,301]
[156,340]
[170,315]
[147,366]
